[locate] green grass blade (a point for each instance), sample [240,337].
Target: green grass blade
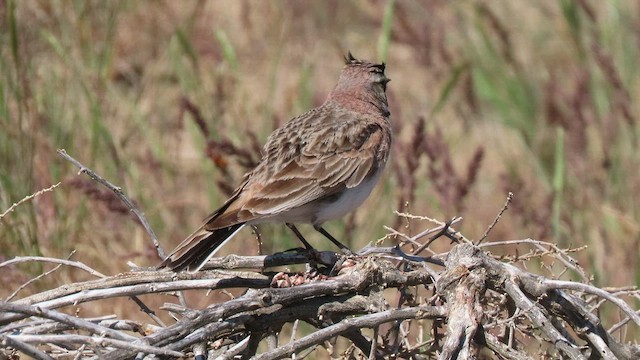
[558,182]
[228,50]
[385,36]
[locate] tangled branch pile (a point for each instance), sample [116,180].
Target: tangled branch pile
[471,303]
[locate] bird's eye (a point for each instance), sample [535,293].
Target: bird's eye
[383,81]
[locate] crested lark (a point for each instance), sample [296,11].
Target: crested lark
[319,166]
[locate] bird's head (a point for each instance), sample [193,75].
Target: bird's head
[362,73]
[361,81]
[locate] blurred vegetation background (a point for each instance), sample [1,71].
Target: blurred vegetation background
[171,100]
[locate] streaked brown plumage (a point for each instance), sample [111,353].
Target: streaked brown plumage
[318,166]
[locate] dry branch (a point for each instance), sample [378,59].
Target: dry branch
[338,306]
[118,191]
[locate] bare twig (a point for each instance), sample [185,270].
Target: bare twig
[65,319]
[31,281]
[27,198]
[497,218]
[617,326]
[118,191]
[571,285]
[504,350]
[566,260]
[77,264]
[365,321]
[10,341]
[69,339]
[566,346]
[137,283]
[374,343]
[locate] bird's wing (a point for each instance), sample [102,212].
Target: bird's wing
[333,157]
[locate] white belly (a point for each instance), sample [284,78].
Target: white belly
[317,212]
[349,201]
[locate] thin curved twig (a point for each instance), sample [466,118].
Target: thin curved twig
[575,286]
[76,264]
[497,218]
[564,258]
[31,281]
[365,321]
[27,198]
[65,319]
[118,191]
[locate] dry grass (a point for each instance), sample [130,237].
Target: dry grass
[169,99]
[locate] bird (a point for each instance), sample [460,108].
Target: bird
[316,167]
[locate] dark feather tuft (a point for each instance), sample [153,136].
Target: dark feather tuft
[350,59]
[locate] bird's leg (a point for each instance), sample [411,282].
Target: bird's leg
[300,237]
[342,247]
[312,266]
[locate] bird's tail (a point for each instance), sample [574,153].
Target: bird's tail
[196,250]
